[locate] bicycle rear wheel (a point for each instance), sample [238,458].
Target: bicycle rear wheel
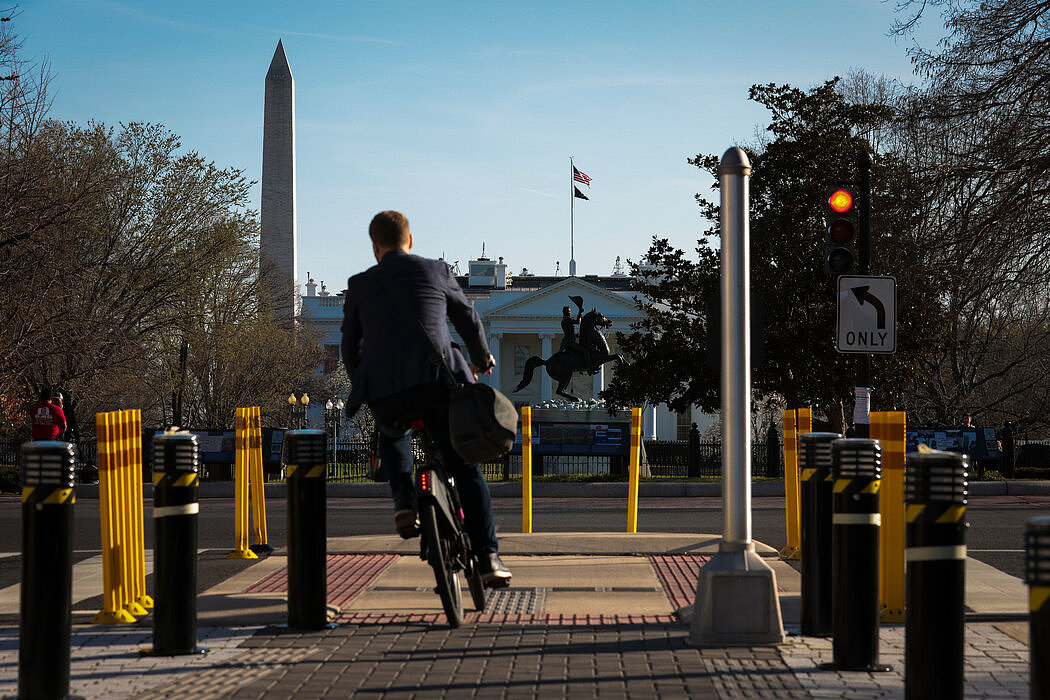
[438,553]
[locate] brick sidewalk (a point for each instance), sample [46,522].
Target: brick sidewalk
[540,637]
[399,659]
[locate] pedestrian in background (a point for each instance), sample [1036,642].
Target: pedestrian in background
[46,416]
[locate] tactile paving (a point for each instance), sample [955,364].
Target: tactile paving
[514,601]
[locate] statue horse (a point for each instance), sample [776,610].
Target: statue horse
[563,363]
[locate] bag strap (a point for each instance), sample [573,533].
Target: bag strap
[436,356]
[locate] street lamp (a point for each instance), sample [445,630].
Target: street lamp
[333,410]
[298,410]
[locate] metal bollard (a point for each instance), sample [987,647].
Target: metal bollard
[175,509]
[305,466]
[857,468]
[935,496]
[1037,576]
[46,621]
[814,464]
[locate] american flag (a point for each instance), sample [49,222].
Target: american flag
[580,176]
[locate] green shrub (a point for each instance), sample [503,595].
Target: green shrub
[989,475]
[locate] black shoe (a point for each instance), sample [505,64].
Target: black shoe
[493,573]
[407,523]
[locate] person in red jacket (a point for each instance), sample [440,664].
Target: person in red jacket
[46,416]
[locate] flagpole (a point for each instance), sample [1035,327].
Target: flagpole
[572,220]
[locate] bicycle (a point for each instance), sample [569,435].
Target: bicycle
[444,543]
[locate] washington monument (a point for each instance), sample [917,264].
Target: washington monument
[277,242]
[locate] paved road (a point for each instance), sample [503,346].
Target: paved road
[996,524]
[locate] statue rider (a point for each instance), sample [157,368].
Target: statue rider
[569,341]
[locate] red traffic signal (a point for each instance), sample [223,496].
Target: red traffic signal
[841,201]
[840,214]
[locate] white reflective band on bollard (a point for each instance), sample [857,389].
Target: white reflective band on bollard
[947,552]
[856,519]
[187,509]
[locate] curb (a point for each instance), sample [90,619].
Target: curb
[225,489]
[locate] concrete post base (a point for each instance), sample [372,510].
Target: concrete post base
[736,600]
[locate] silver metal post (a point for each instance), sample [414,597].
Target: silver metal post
[733,174]
[736,592]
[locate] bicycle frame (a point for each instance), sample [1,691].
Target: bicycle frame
[440,511]
[433,483]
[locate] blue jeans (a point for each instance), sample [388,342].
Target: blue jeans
[395,449]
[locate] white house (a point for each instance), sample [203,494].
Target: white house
[522,317]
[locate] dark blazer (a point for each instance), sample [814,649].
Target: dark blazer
[383,351]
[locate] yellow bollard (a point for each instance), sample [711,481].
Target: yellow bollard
[633,468]
[114,592]
[888,427]
[258,489]
[135,504]
[526,469]
[791,486]
[129,573]
[241,478]
[805,421]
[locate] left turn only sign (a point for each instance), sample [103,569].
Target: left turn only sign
[867,315]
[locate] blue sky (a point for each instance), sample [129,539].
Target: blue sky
[464,115]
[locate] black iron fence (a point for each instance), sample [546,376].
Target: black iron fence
[10,450]
[352,461]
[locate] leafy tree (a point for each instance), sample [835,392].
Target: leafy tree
[667,347]
[978,138]
[813,140]
[130,270]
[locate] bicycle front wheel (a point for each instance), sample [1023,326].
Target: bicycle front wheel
[477,588]
[439,556]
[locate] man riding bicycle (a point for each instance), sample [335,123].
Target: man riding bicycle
[392,373]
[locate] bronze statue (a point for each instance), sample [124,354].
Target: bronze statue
[585,354]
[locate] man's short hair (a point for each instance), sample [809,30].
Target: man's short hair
[44,394]
[389,229]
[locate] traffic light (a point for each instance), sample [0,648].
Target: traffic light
[840,240]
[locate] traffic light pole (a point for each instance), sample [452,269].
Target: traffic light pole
[862,394]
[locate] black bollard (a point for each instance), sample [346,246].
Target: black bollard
[305,466]
[45,627]
[175,509]
[814,466]
[1037,576]
[857,469]
[935,494]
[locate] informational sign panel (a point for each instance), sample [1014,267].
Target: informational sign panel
[978,443]
[867,315]
[555,438]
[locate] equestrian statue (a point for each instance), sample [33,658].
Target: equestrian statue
[587,354]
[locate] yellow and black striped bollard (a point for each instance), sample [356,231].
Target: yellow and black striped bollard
[935,552]
[1037,576]
[175,515]
[46,621]
[855,520]
[814,461]
[305,465]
